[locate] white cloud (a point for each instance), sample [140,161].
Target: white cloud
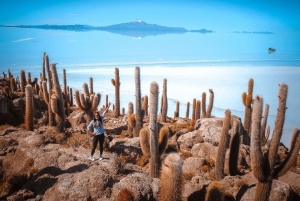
[22,40]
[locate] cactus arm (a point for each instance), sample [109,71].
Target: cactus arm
[264,124]
[86,90]
[83,101]
[244,98]
[257,159]
[163,139]
[282,96]
[45,92]
[290,160]
[77,100]
[94,103]
[91,85]
[53,102]
[113,82]
[144,141]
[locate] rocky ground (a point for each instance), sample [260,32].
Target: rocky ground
[46,165]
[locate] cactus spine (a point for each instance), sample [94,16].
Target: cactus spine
[138,104]
[116,83]
[29,112]
[220,160]
[154,159]
[187,113]
[60,114]
[263,165]
[171,178]
[234,149]
[164,102]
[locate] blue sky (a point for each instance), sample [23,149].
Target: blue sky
[216,15]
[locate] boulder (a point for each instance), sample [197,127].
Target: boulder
[188,140]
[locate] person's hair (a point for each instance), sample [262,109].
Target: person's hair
[96,122]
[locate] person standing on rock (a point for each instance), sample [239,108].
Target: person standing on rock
[96,128]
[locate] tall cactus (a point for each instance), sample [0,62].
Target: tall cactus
[176,113]
[263,164]
[65,93]
[164,102]
[145,105]
[138,104]
[29,111]
[204,115]
[116,83]
[187,113]
[234,148]
[23,80]
[154,159]
[130,124]
[220,160]
[247,100]
[57,101]
[198,110]
[87,102]
[210,103]
[171,178]
[194,109]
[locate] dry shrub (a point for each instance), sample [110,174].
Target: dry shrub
[192,122]
[142,161]
[190,128]
[125,195]
[119,162]
[205,168]
[282,156]
[185,154]
[59,138]
[78,140]
[209,161]
[3,127]
[187,176]
[241,183]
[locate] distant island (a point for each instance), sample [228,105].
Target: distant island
[135,29]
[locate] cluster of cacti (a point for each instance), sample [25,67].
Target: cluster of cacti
[164,102]
[87,102]
[263,164]
[171,178]
[116,83]
[247,101]
[29,109]
[207,113]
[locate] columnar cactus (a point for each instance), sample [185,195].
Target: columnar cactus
[171,178]
[29,111]
[210,103]
[87,102]
[23,80]
[58,101]
[138,104]
[204,115]
[263,164]
[116,83]
[247,100]
[220,160]
[234,148]
[164,103]
[198,110]
[145,105]
[264,124]
[154,158]
[13,85]
[176,113]
[130,123]
[187,113]
[28,78]
[65,93]
[194,109]
[92,86]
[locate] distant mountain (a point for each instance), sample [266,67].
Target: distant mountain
[254,32]
[136,28]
